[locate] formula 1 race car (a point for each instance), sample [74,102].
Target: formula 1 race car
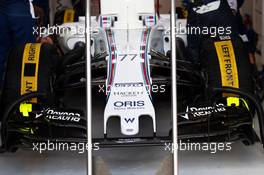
[43,94]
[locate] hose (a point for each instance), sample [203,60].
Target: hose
[59,5]
[257,104]
[75,3]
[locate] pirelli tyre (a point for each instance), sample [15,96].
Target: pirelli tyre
[30,68]
[226,63]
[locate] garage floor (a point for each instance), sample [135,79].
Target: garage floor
[240,161]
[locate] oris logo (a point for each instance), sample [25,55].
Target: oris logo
[120,104]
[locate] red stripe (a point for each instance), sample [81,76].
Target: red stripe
[112,74]
[113,58]
[145,73]
[113,53]
[143,57]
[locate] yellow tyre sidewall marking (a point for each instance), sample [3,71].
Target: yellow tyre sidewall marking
[227,62]
[31,56]
[228,68]
[69,16]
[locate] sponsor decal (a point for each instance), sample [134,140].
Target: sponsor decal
[119,105]
[129,120]
[197,112]
[128,89]
[129,85]
[128,93]
[52,114]
[225,37]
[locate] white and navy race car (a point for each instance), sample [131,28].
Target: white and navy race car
[44,92]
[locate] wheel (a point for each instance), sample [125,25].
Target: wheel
[29,68]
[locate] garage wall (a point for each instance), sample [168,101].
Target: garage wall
[255,9]
[258,21]
[248,7]
[95,9]
[164,6]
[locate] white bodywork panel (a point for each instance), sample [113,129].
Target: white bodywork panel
[129,82]
[127,30]
[68,40]
[125,7]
